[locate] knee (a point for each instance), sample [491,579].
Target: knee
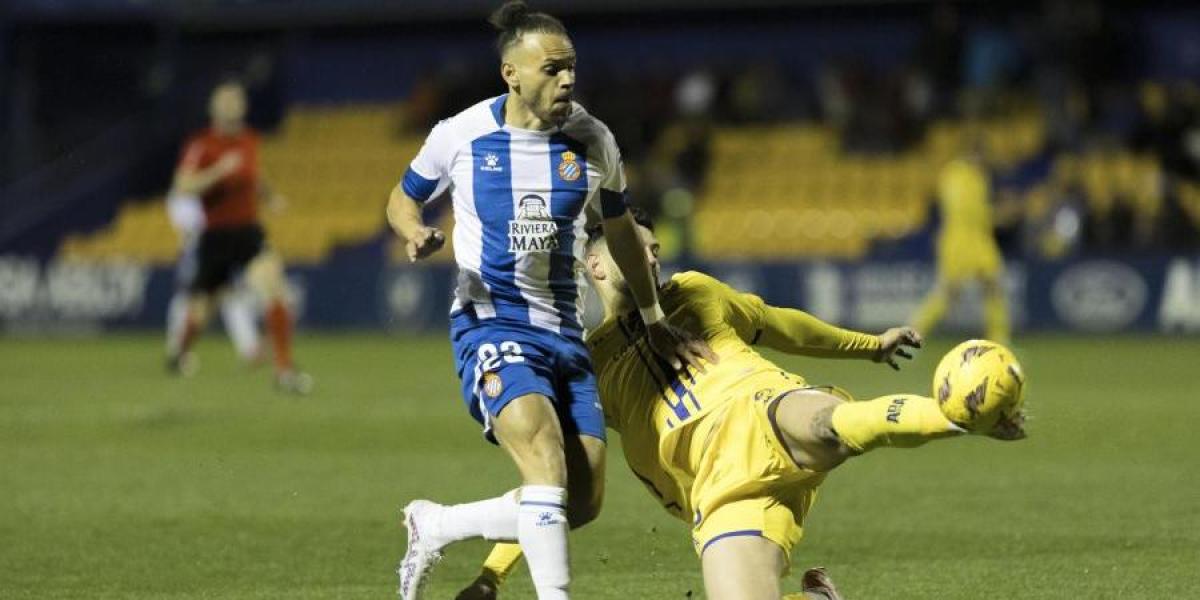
[539,456]
[805,420]
[198,310]
[266,276]
[542,459]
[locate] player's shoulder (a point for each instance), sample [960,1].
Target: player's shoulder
[695,283]
[470,123]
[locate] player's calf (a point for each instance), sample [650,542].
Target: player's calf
[529,430]
[897,420]
[821,430]
[585,457]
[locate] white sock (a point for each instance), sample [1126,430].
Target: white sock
[176,319]
[237,310]
[494,519]
[542,531]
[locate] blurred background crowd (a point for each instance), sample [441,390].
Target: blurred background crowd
[763,131]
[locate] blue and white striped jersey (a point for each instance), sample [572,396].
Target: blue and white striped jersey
[519,209]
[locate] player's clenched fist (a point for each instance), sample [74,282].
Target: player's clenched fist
[424,241]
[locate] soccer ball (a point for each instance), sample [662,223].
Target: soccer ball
[978,384]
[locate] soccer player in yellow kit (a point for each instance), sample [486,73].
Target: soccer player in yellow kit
[966,248]
[737,452]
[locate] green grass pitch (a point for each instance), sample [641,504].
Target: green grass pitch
[119,482]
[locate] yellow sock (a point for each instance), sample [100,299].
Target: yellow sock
[501,562]
[995,312]
[898,420]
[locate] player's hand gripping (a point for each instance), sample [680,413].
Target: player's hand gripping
[679,347]
[892,343]
[426,241]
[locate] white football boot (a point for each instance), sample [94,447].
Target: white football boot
[423,551]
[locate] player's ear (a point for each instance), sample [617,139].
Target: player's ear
[508,72]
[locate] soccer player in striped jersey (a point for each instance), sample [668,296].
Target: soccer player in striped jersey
[739,451]
[524,169]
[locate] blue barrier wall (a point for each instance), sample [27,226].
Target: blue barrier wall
[1090,295]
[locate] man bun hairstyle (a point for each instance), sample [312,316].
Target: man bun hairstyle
[514,19]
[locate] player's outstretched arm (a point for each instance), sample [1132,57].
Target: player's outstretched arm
[674,345]
[404,215]
[797,332]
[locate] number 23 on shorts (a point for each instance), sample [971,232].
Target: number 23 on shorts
[490,356]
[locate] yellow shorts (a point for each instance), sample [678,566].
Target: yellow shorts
[961,259]
[745,482]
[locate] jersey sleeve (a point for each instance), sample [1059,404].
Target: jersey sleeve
[797,332]
[429,173]
[610,194]
[784,329]
[718,306]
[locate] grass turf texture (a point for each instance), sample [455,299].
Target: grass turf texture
[119,482]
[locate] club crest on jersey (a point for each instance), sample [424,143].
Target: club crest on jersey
[491,163]
[492,385]
[534,229]
[568,169]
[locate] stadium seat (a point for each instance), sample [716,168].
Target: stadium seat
[334,167]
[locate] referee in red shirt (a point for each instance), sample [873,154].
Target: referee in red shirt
[220,166]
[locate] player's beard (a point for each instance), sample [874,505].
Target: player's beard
[558,108]
[558,112]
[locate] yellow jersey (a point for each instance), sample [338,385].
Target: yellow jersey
[650,404]
[963,190]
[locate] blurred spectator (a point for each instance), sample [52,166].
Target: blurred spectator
[939,57]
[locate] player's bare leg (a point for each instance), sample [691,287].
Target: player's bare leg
[743,568]
[179,358]
[266,276]
[529,430]
[803,420]
[821,430]
[586,463]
